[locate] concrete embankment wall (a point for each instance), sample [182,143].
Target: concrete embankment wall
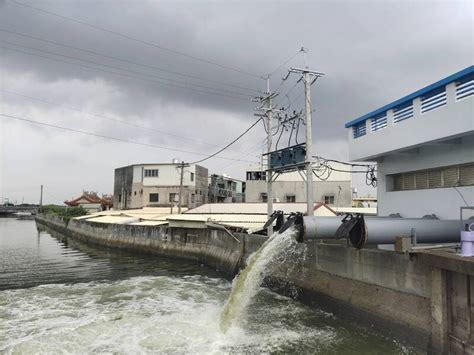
[396,292]
[212,247]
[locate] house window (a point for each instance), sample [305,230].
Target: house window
[290,198]
[329,200]
[154,197]
[264,197]
[173,197]
[151,172]
[192,176]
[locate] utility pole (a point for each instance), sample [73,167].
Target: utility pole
[309,147]
[269,149]
[180,199]
[309,77]
[268,116]
[41,197]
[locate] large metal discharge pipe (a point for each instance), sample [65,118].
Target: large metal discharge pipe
[381,230]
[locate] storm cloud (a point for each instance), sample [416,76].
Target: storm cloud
[371,52]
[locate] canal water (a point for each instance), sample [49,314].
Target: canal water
[58,296]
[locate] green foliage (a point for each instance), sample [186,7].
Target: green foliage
[63,211]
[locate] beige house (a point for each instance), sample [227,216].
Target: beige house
[157,185]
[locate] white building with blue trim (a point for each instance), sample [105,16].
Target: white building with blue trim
[423,144]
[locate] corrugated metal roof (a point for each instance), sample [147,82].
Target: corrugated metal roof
[255,208]
[251,216]
[113,219]
[149,223]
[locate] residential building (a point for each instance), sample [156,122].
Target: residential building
[91,202]
[157,185]
[291,188]
[223,188]
[423,144]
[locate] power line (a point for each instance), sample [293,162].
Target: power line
[106,117]
[125,70]
[124,75]
[343,162]
[115,138]
[285,62]
[125,60]
[150,44]
[250,151]
[228,145]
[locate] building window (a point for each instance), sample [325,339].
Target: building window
[264,197]
[192,176]
[465,87]
[151,172]
[329,200]
[120,198]
[379,122]
[192,198]
[359,130]
[134,193]
[403,112]
[466,175]
[154,197]
[449,176]
[256,175]
[290,198]
[434,99]
[173,197]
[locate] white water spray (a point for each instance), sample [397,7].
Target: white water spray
[247,283]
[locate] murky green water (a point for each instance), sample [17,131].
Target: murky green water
[57,296]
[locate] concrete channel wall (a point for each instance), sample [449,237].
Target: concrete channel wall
[423,298]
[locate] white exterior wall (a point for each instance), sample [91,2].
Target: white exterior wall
[444,202]
[454,119]
[292,184]
[169,175]
[281,189]
[441,137]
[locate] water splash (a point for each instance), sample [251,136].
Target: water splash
[247,283]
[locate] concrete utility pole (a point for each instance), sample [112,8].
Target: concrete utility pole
[269,149]
[180,200]
[268,116]
[308,77]
[309,147]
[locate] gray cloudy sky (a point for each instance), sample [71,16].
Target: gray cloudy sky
[372,53]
